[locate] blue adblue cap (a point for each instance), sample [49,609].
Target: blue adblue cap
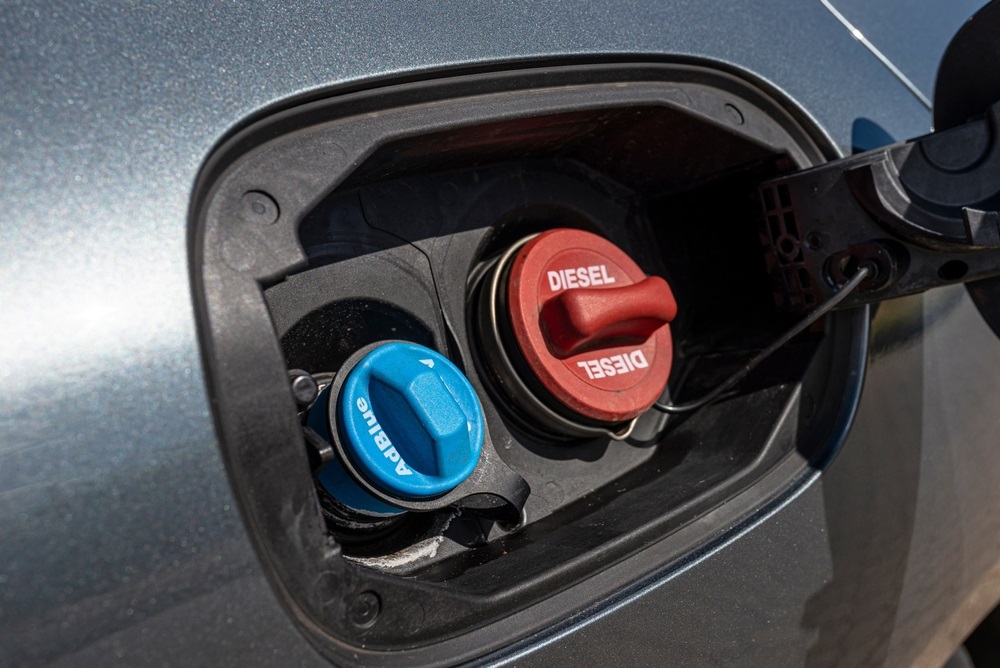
[410,421]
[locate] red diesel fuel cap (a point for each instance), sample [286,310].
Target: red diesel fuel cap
[590,324]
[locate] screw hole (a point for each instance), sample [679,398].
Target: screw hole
[735,115]
[952,270]
[814,241]
[364,609]
[787,247]
[260,208]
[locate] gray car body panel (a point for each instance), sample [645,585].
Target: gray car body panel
[912,35]
[121,538]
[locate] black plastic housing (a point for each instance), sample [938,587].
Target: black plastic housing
[429,181]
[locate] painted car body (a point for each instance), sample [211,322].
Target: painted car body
[120,538]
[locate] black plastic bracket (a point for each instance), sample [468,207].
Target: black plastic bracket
[918,214]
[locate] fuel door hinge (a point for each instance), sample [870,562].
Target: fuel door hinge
[917,214]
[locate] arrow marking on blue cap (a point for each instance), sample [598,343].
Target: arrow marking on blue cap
[429,363]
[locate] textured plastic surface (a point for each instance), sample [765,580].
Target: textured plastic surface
[410,421]
[605,358]
[588,318]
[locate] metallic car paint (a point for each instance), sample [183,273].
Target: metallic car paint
[121,539]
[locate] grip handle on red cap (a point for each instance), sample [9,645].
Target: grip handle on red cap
[587,318]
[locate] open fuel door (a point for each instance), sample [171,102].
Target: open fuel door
[916,214]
